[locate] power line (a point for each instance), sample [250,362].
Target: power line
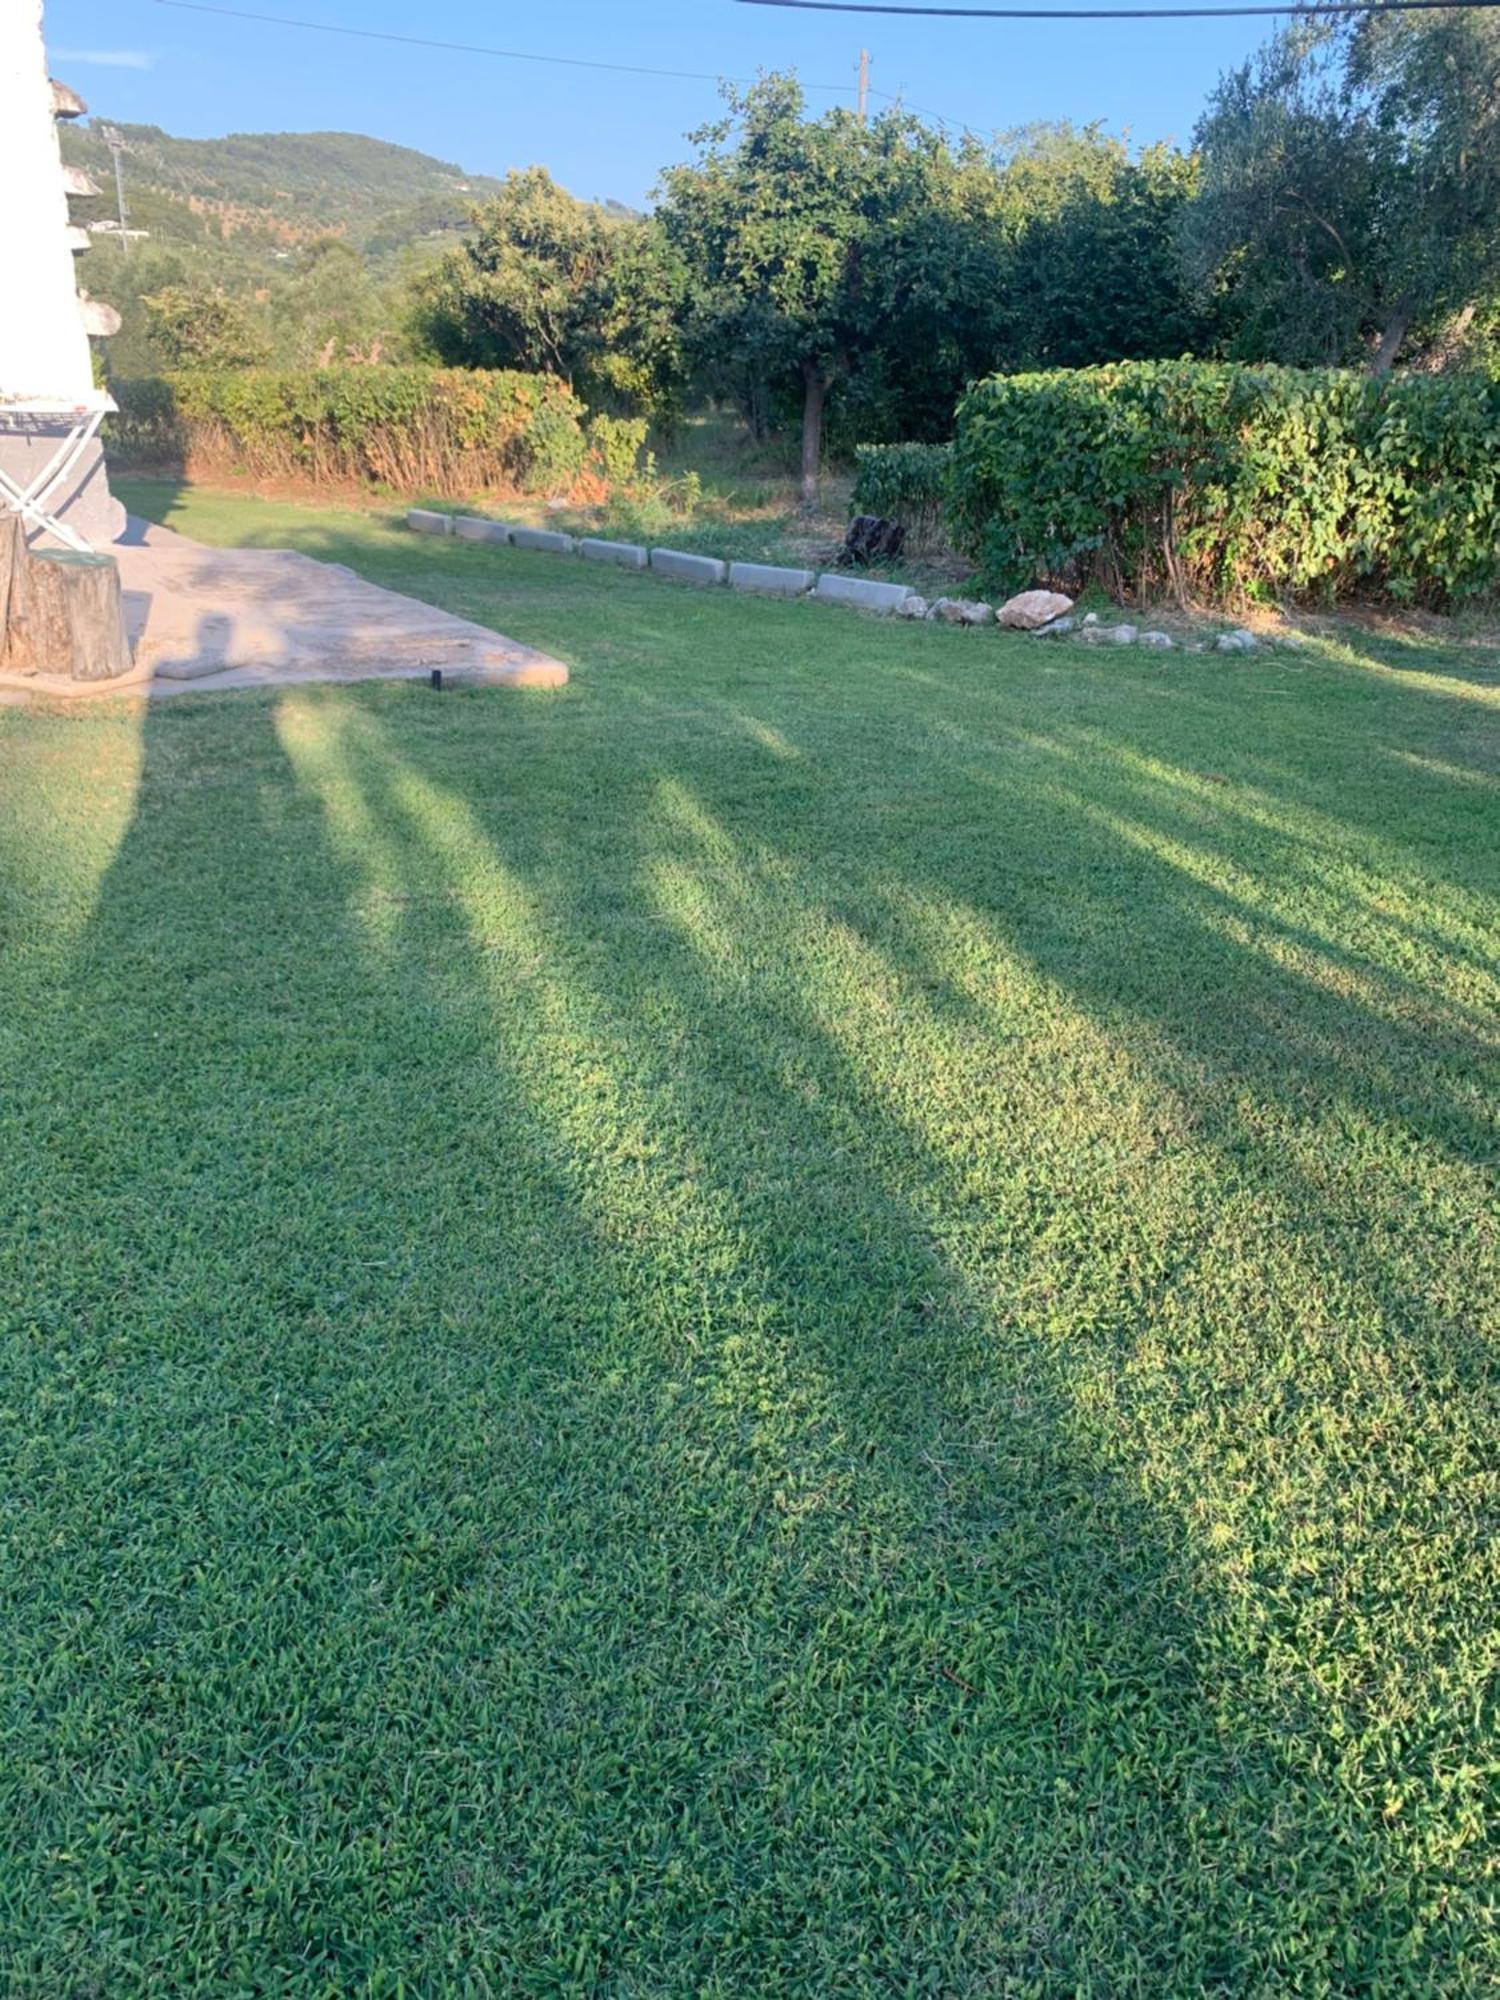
[1311,12]
[904,103]
[469,48]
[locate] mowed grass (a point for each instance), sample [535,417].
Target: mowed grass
[817,1317]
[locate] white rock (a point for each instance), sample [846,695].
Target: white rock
[1032,609]
[1235,642]
[912,607]
[962,611]
[1058,629]
[1160,639]
[1111,635]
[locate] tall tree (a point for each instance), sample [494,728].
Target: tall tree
[1092,229]
[1350,198]
[550,283]
[819,249]
[327,309]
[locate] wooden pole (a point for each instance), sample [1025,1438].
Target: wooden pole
[864,82]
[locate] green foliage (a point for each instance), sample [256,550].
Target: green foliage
[1220,482]
[193,327]
[315,237]
[1091,265]
[1350,200]
[415,430]
[616,446]
[326,310]
[550,283]
[824,253]
[904,482]
[883,268]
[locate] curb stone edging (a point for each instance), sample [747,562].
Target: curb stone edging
[688,568]
[863,592]
[625,555]
[859,593]
[472,528]
[548,540]
[770,579]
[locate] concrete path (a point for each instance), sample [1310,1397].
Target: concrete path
[201,618]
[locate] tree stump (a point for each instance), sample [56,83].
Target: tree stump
[871,539]
[60,611]
[12,566]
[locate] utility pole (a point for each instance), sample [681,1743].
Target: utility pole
[116,147]
[864,82]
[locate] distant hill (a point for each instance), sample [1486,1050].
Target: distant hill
[250,216]
[257,192]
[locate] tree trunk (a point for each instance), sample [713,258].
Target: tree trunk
[814,396]
[65,617]
[12,575]
[1395,332]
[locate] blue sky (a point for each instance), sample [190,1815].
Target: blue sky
[603,134]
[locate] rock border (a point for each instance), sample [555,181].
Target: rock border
[869,594]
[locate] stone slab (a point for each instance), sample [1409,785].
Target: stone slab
[625,555]
[769,580]
[861,591]
[470,528]
[547,539]
[200,619]
[423,521]
[687,568]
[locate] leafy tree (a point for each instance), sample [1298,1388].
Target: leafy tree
[1350,199]
[328,309]
[1092,228]
[938,273]
[550,283]
[191,326]
[822,251]
[126,281]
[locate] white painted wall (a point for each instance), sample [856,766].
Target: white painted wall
[44,350]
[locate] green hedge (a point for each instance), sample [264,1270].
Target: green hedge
[1222,483]
[906,483]
[415,430]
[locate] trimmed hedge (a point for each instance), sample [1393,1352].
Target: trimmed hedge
[1223,483]
[448,431]
[906,483]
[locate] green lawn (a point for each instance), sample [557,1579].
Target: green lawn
[816,1318]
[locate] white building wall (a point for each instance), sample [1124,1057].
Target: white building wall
[44,350]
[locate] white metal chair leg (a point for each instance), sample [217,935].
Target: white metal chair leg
[30,501]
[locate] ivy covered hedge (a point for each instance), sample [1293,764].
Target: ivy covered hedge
[1221,483]
[450,431]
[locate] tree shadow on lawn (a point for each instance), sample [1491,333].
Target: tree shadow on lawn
[914,1314]
[704,1392]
